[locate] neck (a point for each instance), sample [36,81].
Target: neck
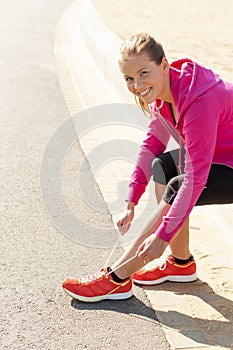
[168,93]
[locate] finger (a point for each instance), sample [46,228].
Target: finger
[140,250]
[143,257]
[124,228]
[119,225]
[143,254]
[121,230]
[122,221]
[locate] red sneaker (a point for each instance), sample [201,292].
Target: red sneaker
[97,287]
[166,270]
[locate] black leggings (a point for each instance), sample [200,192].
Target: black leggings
[218,188]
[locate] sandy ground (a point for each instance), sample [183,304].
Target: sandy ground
[200,29]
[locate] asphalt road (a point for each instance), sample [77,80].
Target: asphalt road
[36,255]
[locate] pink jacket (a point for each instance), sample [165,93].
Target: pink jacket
[204,104]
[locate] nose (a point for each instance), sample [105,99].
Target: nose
[137,84]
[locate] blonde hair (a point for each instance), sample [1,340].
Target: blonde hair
[139,43]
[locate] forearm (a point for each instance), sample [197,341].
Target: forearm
[156,219]
[148,230]
[130,206]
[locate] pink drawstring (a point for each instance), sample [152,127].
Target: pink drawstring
[180,156]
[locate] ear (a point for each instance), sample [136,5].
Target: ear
[165,66]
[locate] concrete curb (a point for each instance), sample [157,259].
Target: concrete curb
[99,99]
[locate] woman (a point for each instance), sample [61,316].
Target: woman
[195,106]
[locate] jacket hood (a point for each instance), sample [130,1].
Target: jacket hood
[188,81]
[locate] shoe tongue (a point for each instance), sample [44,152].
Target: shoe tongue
[171,258]
[104,270]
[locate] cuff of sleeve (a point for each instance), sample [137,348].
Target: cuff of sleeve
[162,233]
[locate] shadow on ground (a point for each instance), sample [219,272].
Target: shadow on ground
[133,306]
[199,329]
[216,332]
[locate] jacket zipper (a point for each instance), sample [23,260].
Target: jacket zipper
[173,132]
[172,113]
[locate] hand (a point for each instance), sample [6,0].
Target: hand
[152,248]
[125,219]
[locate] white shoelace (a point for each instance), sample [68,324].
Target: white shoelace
[92,278]
[161,263]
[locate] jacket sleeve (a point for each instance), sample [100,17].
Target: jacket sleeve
[154,144]
[200,130]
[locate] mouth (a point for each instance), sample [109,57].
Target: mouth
[145,92]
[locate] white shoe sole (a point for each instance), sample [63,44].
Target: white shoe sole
[116,296]
[189,278]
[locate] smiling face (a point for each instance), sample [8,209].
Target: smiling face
[146,79]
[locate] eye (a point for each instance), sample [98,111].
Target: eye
[144,72]
[128,79]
